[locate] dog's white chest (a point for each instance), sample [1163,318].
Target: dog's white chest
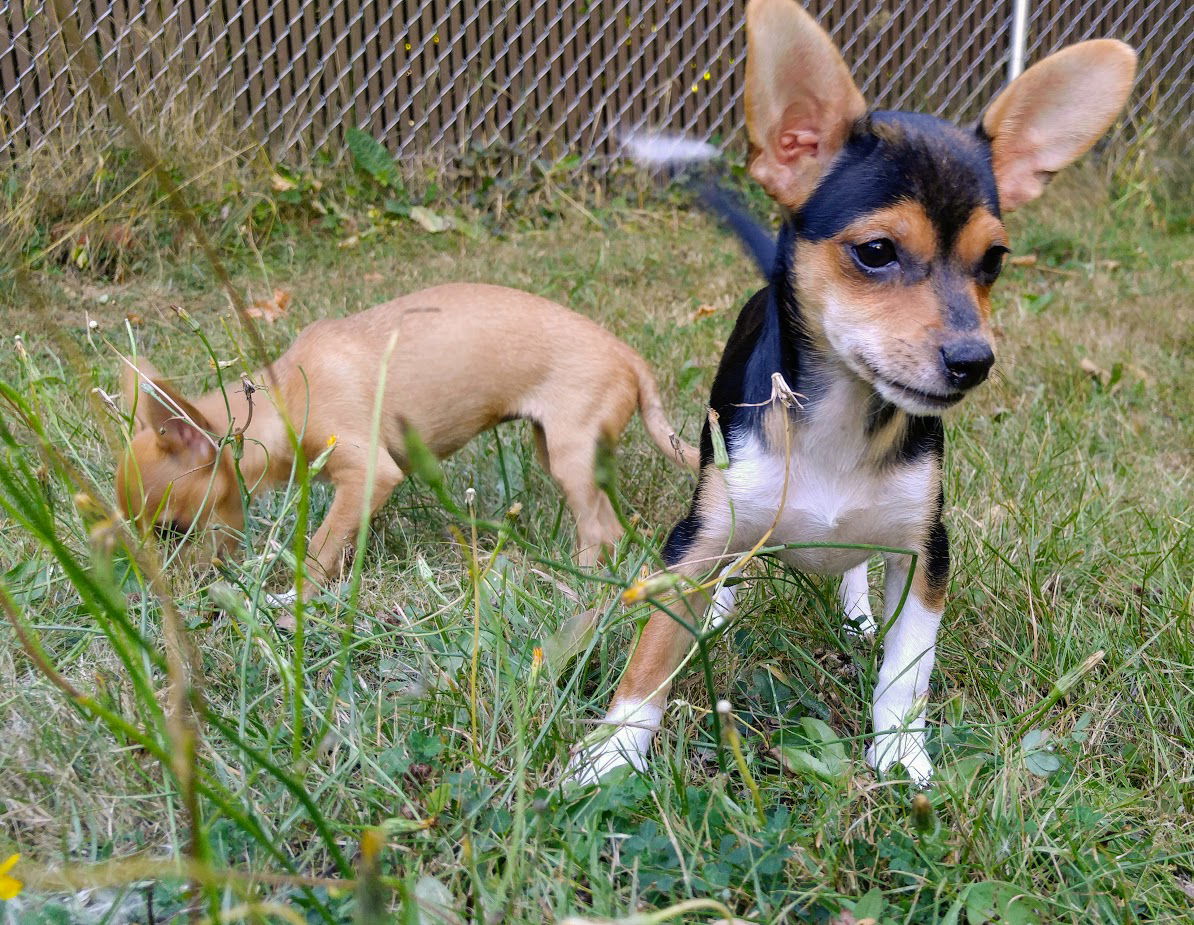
[824,492]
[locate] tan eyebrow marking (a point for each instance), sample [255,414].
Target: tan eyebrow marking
[906,223]
[981,231]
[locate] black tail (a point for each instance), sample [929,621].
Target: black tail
[758,241]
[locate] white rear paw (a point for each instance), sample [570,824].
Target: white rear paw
[856,603]
[724,603]
[628,744]
[902,748]
[862,625]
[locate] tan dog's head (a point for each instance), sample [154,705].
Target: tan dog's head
[897,215]
[171,476]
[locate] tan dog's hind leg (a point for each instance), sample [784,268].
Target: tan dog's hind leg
[571,460]
[349,474]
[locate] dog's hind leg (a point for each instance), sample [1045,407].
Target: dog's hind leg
[572,458]
[854,594]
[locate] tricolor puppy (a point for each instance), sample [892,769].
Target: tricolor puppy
[464,358]
[875,320]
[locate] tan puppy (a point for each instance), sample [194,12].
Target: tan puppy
[464,358]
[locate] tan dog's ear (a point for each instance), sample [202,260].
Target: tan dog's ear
[181,427]
[132,374]
[1051,114]
[800,99]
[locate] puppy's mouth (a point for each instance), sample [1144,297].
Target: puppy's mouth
[919,397]
[911,399]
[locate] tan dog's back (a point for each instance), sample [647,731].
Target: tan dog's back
[465,357]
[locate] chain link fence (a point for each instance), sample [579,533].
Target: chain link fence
[541,79]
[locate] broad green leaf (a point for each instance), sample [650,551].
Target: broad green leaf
[820,732]
[871,905]
[806,764]
[995,901]
[436,905]
[370,155]
[1042,764]
[1039,758]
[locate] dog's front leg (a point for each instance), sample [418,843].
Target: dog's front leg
[349,476]
[637,707]
[909,647]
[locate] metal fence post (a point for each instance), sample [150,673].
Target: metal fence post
[1015,62]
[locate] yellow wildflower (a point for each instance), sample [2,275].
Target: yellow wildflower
[332,441]
[650,587]
[9,886]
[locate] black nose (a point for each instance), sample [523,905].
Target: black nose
[967,362]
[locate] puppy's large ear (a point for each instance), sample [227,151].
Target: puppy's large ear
[800,99]
[180,426]
[1051,114]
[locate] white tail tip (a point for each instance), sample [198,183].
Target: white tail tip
[663,150]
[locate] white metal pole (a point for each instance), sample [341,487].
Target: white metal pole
[1019,38]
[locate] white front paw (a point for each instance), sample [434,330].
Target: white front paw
[590,765]
[281,601]
[628,744]
[902,748]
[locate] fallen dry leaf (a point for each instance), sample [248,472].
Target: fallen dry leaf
[134,319]
[428,220]
[271,309]
[703,311]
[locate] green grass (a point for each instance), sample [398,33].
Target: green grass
[1069,500]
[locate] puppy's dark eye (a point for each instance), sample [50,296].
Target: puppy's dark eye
[876,254]
[992,262]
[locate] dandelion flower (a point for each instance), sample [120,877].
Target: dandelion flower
[9,886]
